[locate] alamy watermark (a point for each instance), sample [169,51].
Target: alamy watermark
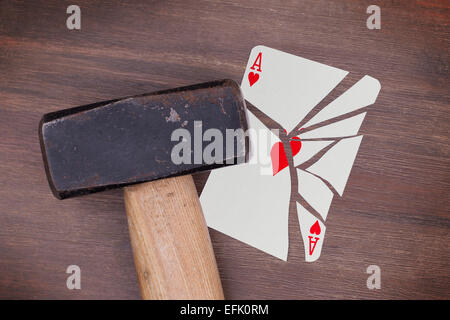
[74,280]
[223,148]
[374,20]
[73,22]
[374,280]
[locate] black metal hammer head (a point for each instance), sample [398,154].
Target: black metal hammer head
[125,141]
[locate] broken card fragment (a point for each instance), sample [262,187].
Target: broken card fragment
[313,232]
[344,128]
[288,86]
[247,202]
[336,164]
[360,95]
[315,192]
[309,150]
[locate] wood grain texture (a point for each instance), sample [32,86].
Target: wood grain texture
[172,249]
[394,212]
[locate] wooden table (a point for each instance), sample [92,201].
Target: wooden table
[394,212]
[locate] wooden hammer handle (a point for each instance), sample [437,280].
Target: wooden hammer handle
[171,245]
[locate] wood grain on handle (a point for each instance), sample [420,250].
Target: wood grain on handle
[171,244]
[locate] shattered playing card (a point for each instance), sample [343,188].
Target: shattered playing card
[245,203]
[252,206]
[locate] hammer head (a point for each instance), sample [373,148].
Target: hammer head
[125,141]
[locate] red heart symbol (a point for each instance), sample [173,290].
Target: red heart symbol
[252,78]
[278,154]
[315,228]
[295,145]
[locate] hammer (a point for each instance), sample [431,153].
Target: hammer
[142,143]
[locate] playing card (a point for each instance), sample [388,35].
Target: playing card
[251,205]
[286,87]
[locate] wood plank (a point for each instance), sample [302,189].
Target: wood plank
[394,212]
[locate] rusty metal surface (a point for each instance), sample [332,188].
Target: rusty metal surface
[125,141]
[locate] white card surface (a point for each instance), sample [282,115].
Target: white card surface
[288,86]
[247,203]
[336,164]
